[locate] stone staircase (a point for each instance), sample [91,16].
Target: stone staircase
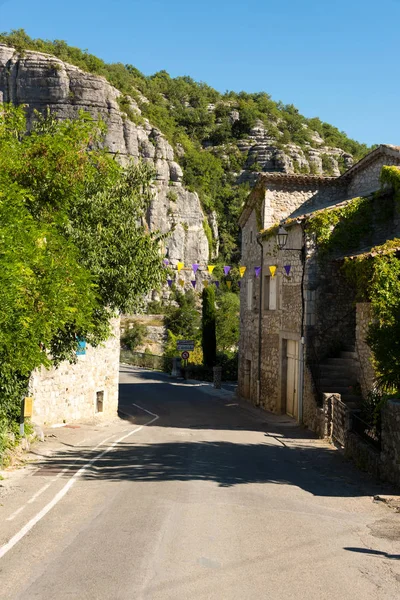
[338,375]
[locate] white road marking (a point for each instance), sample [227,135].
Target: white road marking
[45,487]
[22,532]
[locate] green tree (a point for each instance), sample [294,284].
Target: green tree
[183,320]
[71,249]
[227,322]
[209,343]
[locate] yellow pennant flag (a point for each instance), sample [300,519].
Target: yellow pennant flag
[181,282]
[211,268]
[242,271]
[180,266]
[272,270]
[205,283]
[229,284]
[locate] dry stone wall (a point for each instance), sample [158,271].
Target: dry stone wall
[69,393]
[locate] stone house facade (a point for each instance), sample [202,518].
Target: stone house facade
[82,391]
[294,312]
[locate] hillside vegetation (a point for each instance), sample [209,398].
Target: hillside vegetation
[205,127]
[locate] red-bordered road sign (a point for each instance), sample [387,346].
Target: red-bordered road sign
[185,355]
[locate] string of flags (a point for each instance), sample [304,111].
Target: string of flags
[227,268]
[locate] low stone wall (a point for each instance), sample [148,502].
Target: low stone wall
[337,427]
[391,441]
[69,393]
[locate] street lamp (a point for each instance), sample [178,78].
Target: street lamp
[281,238]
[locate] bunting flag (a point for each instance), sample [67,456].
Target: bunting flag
[195,266]
[229,284]
[166,262]
[287,269]
[216,283]
[169,281]
[180,266]
[239,284]
[226,270]
[193,283]
[211,268]
[205,283]
[272,270]
[242,271]
[181,282]
[257,271]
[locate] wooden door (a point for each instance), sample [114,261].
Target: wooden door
[292,378]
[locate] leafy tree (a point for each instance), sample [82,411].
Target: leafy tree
[209,343]
[71,249]
[183,320]
[135,335]
[227,322]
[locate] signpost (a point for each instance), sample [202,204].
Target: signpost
[185,345]
[185,355]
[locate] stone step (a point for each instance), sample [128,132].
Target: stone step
[350,362]
[330,382]
[349,354]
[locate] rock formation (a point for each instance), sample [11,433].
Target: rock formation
[41,80]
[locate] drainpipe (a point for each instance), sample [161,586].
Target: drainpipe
[258,400]
[302,330]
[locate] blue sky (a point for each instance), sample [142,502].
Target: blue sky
[338,61]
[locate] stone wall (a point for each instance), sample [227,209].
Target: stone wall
[390,455]
[68,393]
[366,180]
[367,374]
[156,333]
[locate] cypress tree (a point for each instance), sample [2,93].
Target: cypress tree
[209,342]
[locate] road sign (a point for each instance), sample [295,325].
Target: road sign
[185,355]
[185,345]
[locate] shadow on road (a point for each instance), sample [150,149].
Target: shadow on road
[226,463]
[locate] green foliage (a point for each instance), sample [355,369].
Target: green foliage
[227,322]
[183,320]
[377,279]
[208,340]
[327,166]
[342,228]
[71,250]
[135,335]
[180,108]
[125,107]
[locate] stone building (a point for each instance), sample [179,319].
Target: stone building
[80,391]
[301,331]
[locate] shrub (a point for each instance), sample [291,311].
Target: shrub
[135,335]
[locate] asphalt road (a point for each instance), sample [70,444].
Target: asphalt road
[193,497]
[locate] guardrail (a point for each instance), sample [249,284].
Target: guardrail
[146,360]
[369,433]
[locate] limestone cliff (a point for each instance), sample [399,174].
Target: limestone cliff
[41,80]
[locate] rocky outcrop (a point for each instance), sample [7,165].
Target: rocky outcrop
[266,154]
[41,80]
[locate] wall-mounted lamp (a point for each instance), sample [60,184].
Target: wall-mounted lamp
[281,237]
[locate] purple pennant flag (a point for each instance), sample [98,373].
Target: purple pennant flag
[216,283]
[226,270]
[193,283]
[257,271]
[166,262]
[169,281]
[239,282]
[287,269]
[195,266]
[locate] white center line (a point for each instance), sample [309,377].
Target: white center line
[22,532]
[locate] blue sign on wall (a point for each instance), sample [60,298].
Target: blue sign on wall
[81,348]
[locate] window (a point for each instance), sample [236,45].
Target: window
[270,293]
[99,401]
[249,294]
